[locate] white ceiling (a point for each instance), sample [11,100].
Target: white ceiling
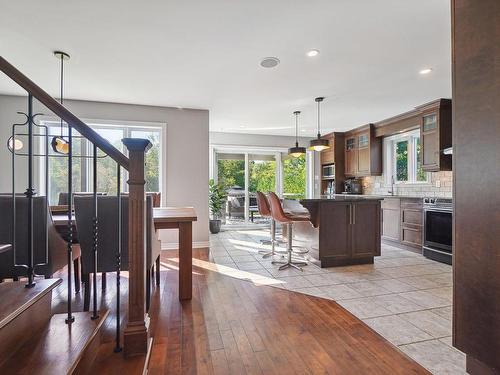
[206,54]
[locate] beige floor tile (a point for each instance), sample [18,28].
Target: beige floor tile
[368,288]
[444,312]
[420,282]
[445,292]
[397,330]
[323,279]
[293,282]
[425,299]
[396,304]
[249,266]
[364,308]
[395,285]
[437,357]
[340,292]
[431,323]
[312,291]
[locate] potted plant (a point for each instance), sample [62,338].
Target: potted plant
[216,200]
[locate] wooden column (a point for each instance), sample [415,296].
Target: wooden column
[476,198]
[136,331]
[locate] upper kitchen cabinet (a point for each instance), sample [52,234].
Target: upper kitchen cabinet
[328,156]
[332,163]
[363,152]
[435,135]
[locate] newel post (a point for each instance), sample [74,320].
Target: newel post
[135,337]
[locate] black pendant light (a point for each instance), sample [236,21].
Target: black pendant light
[296,151]
[59,144]
[319,144]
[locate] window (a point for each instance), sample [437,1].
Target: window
[106,167]
[404,159]
[294,177]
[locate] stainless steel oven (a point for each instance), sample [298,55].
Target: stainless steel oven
[438,224]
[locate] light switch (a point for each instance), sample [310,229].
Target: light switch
[438,183]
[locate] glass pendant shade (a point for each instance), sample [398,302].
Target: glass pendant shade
[319,144]
[60,145]
[14,144]
[296,151]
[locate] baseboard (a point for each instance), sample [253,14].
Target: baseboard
[175,245]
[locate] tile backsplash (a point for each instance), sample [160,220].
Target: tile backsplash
[440,185]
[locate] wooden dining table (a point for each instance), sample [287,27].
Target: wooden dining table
[180,218]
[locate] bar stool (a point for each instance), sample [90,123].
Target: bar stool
[265,211]
[286,218]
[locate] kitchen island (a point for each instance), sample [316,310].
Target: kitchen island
[343,230]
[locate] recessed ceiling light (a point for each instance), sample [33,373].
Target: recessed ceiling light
[269,62]
[425,71]
[312,53]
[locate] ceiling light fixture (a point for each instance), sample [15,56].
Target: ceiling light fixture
[296,151]
[59,144]
[425,71]
[269,62]
[312,53]
[319,144]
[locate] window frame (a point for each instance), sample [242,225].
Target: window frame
[390,158]
[128,127]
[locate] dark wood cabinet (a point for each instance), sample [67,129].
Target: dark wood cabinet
[337,239]
[435,136]
[365,230]
[363,152]
[333,156]
[342,231]
[391,219]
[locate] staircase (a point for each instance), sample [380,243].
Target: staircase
[32,338]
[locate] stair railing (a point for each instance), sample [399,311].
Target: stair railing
[136,332]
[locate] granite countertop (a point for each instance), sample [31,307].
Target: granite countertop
[344,198]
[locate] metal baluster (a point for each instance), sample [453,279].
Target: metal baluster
[118,347]
[70,318]
[94,236]
[30,191]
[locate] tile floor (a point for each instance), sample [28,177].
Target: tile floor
[403,296]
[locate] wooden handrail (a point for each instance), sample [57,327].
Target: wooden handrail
[63,113]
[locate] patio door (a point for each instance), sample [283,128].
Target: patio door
[244,174]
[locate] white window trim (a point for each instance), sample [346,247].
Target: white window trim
[390,162]
[129,127]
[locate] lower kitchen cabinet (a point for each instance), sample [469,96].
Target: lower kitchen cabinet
[402,221]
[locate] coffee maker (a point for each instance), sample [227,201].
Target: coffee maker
[352,186]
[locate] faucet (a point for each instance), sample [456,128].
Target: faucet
[392,185]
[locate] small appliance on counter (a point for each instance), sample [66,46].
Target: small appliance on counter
[352,186]
[330,188]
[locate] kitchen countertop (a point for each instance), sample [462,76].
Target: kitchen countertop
[344,198]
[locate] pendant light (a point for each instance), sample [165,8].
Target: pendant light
[319,144]
[14,144]
[296,151]
[59,144]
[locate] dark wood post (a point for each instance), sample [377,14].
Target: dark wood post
[135,338]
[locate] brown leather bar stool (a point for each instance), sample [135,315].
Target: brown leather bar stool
[265,211]
[286,218]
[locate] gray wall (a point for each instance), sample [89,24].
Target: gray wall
[239,139]
[186,166]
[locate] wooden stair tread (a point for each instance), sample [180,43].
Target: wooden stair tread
[59,348]
[16,298]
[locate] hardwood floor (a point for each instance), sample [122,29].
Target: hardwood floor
[232,326]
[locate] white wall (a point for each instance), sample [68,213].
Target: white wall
[186,166]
